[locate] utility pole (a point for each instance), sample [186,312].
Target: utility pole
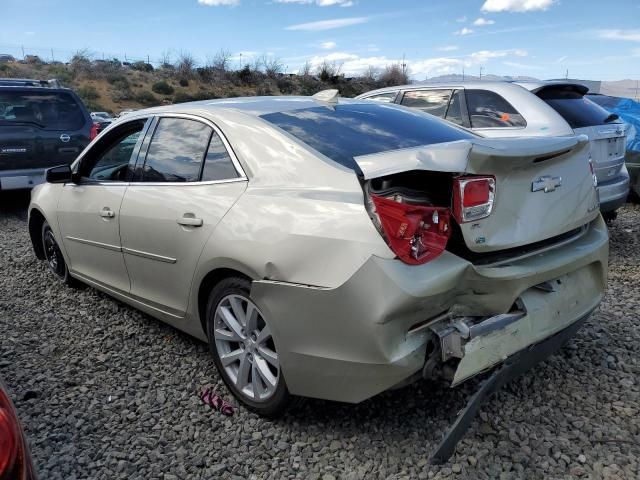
[404,66]
[566,75]
[481,72]
[22,52]
[463,74]
[52,59]
[148,58]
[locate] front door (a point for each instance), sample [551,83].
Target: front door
[89,210]
[187,184]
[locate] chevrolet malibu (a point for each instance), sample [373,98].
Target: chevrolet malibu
[330,248]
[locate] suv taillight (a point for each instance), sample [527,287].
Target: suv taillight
[93,133]
[11,446]
[473,197]
[415,233]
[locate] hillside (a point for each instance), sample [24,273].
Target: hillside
[112,86]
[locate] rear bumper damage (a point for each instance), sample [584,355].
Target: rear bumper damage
[390,320]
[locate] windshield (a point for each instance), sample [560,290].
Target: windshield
[574,107]
[46,110]
[351,130]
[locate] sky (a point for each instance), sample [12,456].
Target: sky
[591,39]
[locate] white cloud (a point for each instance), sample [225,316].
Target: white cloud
[516,5]
[461,19]
[351,64]
[628,35]
[328,45]
[481,22]
[321,3]
[328,24]
[447,48]
[216,3]
[464,31]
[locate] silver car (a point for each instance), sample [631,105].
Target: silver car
[503,109]
[330,249]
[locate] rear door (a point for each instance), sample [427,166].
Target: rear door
[185,183]
[586,117]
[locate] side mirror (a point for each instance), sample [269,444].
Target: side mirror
[59,174]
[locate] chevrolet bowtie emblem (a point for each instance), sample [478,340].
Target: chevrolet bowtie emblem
[546,183]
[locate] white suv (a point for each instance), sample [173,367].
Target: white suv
[504,109]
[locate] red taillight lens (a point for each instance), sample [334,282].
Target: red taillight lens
[415,233]
[473,197]
[94,131]
[11,451]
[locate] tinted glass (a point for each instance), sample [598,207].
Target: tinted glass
[384,97]
[489,110]
[429,101]
[47,110]
[454,113]
[113,164]
[351,130]
[176,151]
[218,164]
[574,107]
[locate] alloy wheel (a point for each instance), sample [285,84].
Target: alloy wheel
[245,347]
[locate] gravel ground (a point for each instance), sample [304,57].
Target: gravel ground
[106,392]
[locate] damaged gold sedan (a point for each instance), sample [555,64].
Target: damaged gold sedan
[330,249]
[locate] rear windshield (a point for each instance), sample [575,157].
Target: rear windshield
[574,107]
[46,110]
[351,130]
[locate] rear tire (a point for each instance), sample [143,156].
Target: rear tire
[243,349]
[609,217]
[54,258]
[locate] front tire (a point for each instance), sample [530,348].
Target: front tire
[54,258]
[243,348]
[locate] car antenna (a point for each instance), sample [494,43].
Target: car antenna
[327,97]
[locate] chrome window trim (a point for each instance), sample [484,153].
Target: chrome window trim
[242,176]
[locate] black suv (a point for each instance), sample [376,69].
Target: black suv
[41,125]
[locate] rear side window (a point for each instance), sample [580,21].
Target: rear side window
[574,107]
[46,110]
[454,112]
[351,130]
[218,164]
[176,151]
[388,97]
[489,110]
[434,102]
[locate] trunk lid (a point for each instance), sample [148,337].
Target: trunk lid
[544,186]
[608,146]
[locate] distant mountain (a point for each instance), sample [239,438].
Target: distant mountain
[470,78]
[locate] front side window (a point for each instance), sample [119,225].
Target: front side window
[45,110]
[388,97]
[429,101]
[353,129]
[176,151]
[489,110]
[109,159]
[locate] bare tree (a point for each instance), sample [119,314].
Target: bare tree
[81,61]
[185,64]
[221,61]
[305,70]
[395,74]
[371,73]
[272,65]
[165,60]
[328,70]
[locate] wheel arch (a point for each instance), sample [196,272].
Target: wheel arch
[36,220]
[208,282]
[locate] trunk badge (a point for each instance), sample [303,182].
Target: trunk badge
[64,138]
[546,183]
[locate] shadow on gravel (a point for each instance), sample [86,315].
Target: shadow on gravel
[15,203]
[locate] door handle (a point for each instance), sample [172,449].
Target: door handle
[190,220]
[106,212]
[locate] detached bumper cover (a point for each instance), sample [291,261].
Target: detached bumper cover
[352,342]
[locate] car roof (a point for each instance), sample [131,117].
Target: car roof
[489,85]
[254,106]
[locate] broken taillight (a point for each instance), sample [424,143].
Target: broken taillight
[415,233]
[473,197]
